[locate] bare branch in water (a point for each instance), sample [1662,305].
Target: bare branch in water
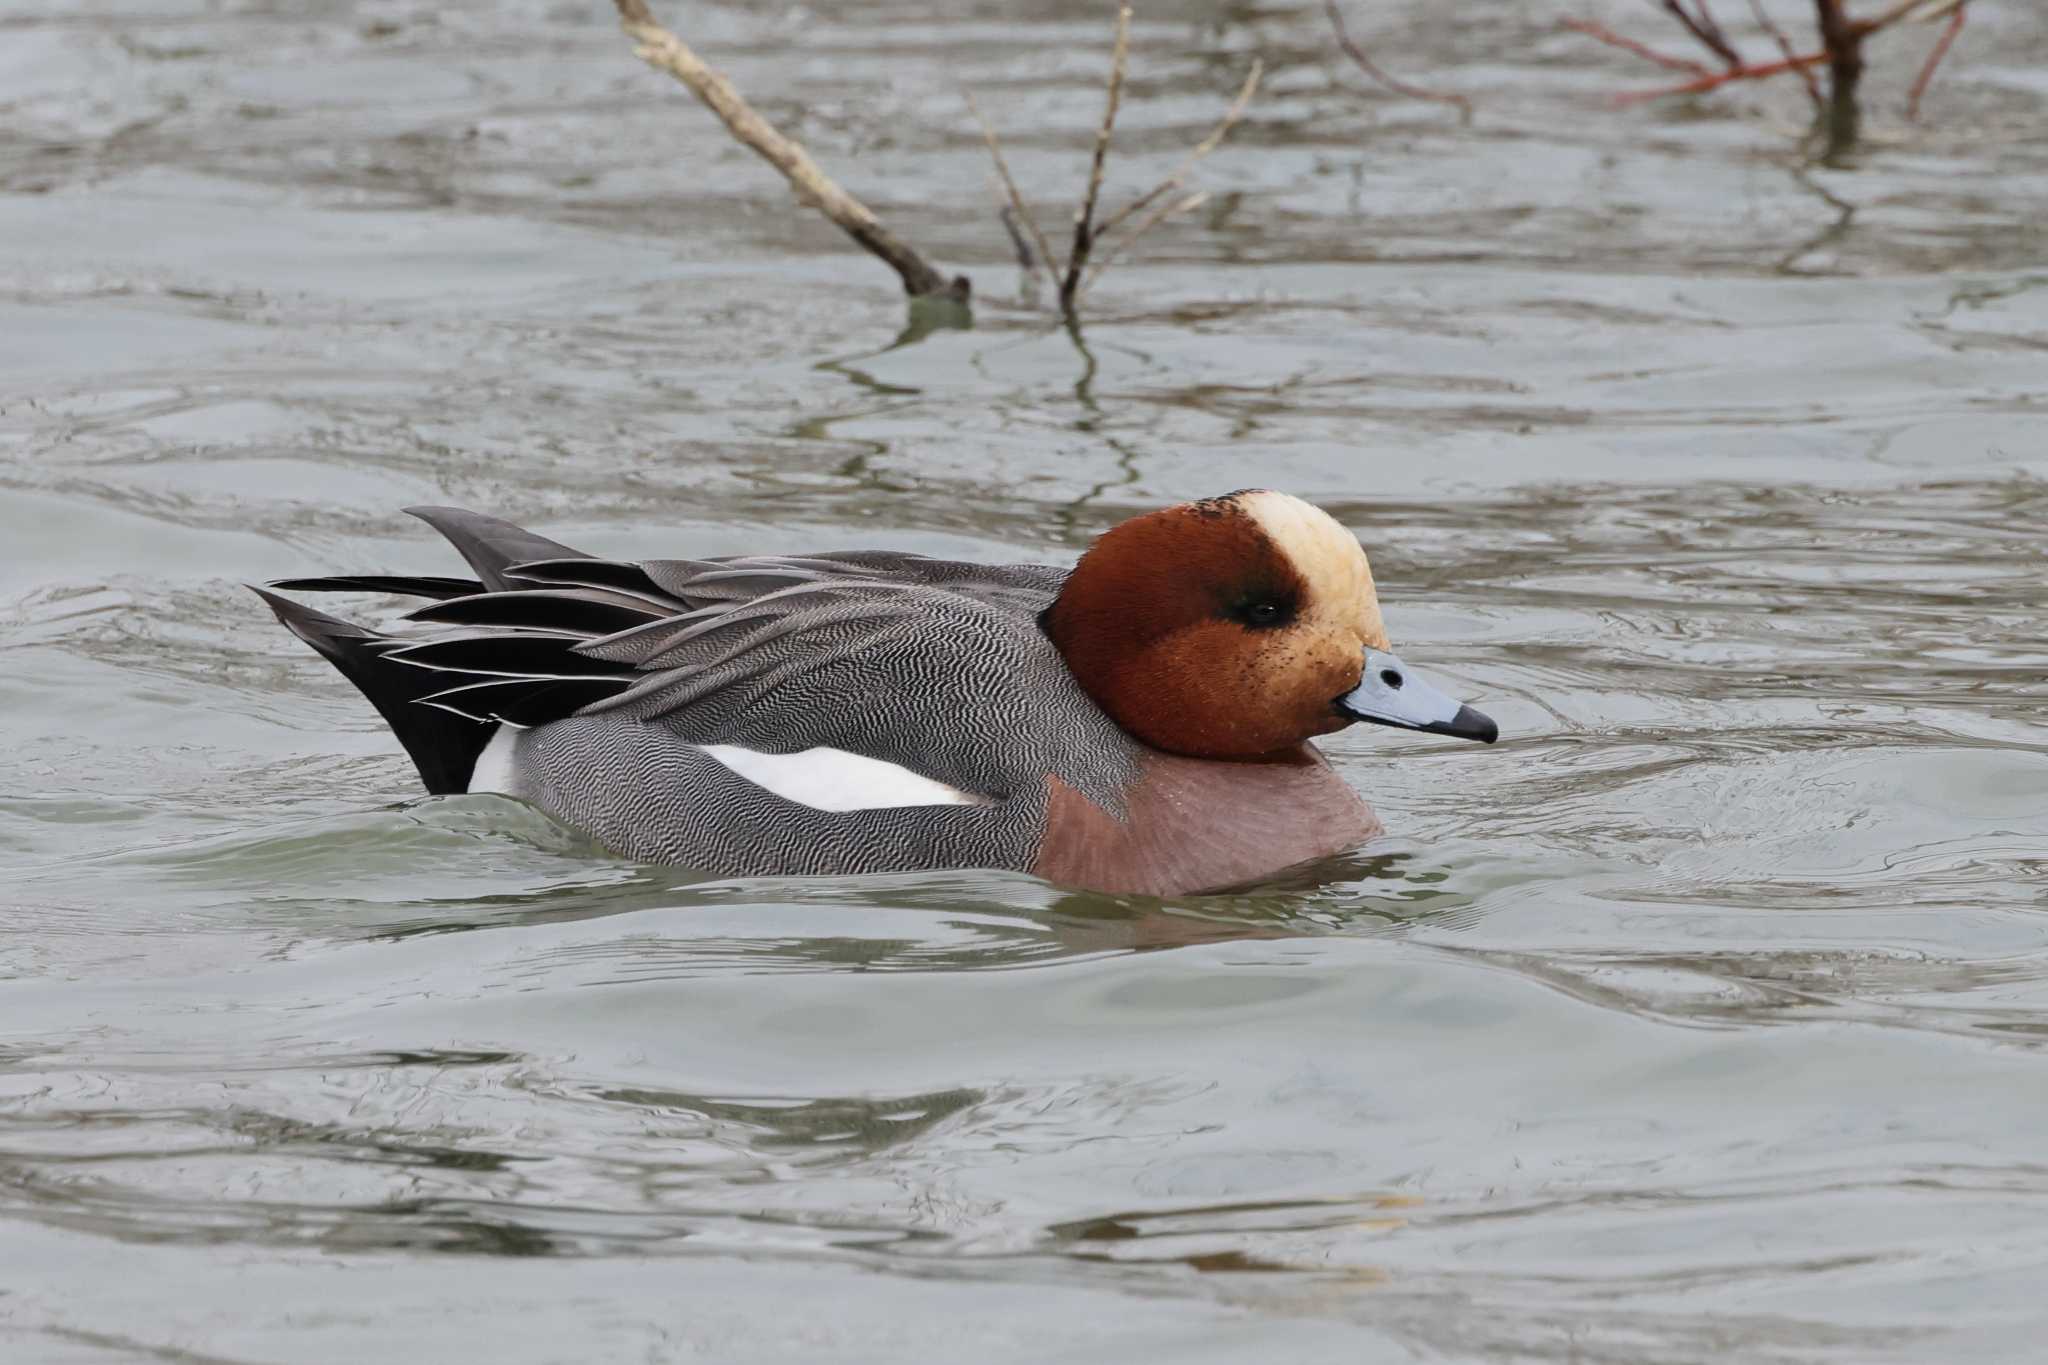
[1019,211]
[1841,51]
[1093,251]
[1027,258]
[1788,52]
[1627,44]
[1372,68]
[1084,216]
[1164,209]
[1714,80]
[1702,25]
[1203,148]
[664,51]
[1957,16]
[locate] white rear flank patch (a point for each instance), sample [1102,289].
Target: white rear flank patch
[834,779]
[493,770]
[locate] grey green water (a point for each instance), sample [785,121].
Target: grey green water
[1702,1019]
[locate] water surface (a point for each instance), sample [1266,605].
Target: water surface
[1701,1019]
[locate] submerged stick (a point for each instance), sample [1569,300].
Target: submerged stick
[662,50]
[1843,40]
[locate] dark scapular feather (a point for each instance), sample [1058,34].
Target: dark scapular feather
[523,655]
[587,612]
[630,579]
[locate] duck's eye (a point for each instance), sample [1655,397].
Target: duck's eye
[1262,613]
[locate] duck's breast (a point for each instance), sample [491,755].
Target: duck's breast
[1195,824]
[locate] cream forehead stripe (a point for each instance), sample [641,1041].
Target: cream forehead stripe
[1326,555]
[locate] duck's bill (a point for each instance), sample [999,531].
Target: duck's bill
[1391,694]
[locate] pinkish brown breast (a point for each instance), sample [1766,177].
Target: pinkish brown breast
[1197,824]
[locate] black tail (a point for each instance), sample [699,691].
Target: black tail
[445,697]
[443,744]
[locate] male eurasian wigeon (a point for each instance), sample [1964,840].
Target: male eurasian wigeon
[1139,723]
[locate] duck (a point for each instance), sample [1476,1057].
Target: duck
[1141,723]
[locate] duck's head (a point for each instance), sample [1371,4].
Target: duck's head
[1237,627]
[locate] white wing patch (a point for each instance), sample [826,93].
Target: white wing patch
[834,779]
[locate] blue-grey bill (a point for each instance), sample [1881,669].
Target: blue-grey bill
[1390,693]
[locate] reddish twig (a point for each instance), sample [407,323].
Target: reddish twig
[1713,80]
[1941,47]
[1608,36]
[1372,69]
[1841,50]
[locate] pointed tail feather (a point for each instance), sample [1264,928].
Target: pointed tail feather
[491,546]
[404,585]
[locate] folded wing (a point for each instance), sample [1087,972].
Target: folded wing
[780,651]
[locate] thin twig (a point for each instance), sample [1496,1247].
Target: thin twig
[1778,36]
[1627,44]
[1841,51]
[1941,46]
[1084,216]
[1715,79]
[1166,209]
[1901,9]
[1703,27]
[1094,250]
[1018,207]
[1027,259]
[664,51]
[1202,149]
[1372,68]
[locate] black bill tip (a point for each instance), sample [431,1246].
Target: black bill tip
[1467,724]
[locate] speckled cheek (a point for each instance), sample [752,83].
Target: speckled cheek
[1332,665]
[1308,672]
